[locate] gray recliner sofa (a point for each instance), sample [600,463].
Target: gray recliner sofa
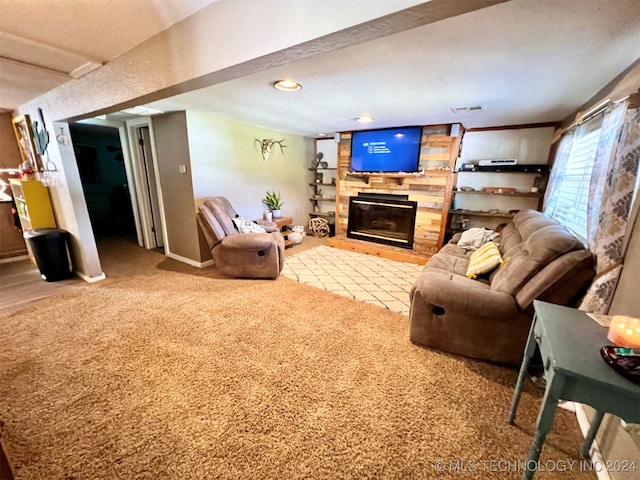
[489,318]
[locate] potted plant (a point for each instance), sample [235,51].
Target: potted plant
[274,202]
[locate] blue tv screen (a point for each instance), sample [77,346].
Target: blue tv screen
[386,150]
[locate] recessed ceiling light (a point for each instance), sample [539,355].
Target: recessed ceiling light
[287,85]
[365,119]
[144,111]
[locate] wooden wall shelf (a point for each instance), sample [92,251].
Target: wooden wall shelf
[322,214]
[323,191]
[471,213]
[535,168]
[514,194]
[526,172]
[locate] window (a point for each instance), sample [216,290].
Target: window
[569,200]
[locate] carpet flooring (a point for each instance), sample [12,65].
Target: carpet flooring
[370,279]
[166,371]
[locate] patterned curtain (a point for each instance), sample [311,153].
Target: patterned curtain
[605,166]
[559,165]
[611,192]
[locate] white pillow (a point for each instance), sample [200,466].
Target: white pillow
[244,225]
[474,238]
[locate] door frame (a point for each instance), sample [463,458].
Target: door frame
[128,168]
[142,191]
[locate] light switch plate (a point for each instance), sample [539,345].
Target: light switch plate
[182,168]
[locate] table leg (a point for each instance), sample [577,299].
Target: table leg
[529,349]
[545,420]
[593,429]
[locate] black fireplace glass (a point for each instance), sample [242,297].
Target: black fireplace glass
[382,219]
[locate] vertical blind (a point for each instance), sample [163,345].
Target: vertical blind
[568,203]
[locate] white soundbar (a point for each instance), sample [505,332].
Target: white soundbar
[495,163]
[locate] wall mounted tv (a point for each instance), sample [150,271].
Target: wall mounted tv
[390,150]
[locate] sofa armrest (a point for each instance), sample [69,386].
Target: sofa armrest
[268,226]
[278,238]
[454,293]
[248,241]
[455,238]
[458,315]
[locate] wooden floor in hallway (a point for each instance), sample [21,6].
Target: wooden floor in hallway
[21,285]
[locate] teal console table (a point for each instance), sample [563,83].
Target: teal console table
[570,343]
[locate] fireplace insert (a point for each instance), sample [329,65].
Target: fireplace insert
[382,218]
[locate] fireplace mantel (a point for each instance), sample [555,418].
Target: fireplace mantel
[398,177]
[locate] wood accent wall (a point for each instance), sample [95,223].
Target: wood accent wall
[432,191]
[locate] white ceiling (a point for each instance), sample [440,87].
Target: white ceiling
[46,43]
[524,61]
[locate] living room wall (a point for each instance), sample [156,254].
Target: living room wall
[222,157]
[226,160]
[172,150]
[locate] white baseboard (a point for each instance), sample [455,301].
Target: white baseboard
[188,261]
[89,279]
[595,454]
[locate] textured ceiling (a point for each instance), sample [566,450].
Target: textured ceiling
[46,43]
[523,61]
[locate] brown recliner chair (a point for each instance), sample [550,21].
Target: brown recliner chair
[240,255]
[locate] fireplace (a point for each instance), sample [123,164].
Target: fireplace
[382,218]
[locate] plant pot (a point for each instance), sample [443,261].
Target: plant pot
[276,213]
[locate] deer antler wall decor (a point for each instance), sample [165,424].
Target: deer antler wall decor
[267,144]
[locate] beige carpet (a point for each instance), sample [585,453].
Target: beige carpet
[374,280]
[165,371]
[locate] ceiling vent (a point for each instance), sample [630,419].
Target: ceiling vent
[471,109]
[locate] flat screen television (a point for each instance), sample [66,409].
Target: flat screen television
[386,150]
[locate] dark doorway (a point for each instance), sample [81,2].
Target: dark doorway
[104,180]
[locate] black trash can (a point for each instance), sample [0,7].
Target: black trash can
[50,247]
